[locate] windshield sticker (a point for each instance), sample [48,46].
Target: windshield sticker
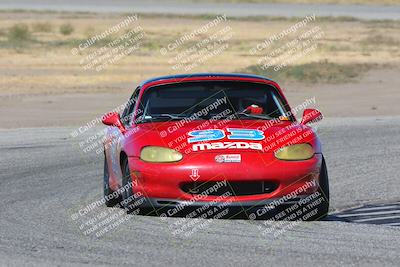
[232,134]
[228,158]
[226,145]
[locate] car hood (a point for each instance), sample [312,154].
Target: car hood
[176,135]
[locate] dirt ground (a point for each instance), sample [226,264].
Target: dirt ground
[377,94]
[339,2]
[43,84]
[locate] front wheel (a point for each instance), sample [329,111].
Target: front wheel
[323,207]
[110,197]
[127,191]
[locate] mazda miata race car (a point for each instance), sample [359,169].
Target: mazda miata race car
[214,145]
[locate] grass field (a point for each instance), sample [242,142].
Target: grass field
[35,50]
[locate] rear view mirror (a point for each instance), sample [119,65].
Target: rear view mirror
[311,115]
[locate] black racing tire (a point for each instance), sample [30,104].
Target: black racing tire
[323,207]
[110,200]
[129,201]
[127,192]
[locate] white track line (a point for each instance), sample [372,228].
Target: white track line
[378,208]
[367,214]
[393,224]
[377,219]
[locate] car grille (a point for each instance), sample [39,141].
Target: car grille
[239,188]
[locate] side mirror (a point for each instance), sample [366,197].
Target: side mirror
[113,119]
[311,115]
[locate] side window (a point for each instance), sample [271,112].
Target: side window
[126,115]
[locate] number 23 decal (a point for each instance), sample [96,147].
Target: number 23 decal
[233,134]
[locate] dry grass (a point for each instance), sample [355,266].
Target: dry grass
[46,65]
[340,2]
[314,72]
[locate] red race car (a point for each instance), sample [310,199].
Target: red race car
[201,143]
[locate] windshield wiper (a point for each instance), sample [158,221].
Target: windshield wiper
[263,117]
[162,116]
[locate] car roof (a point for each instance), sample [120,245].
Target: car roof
[209,74]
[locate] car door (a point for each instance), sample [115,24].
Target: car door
[117,138]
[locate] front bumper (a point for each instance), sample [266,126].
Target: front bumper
[264,209]
[161,183]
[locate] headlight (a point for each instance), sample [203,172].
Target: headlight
[295,152]
[159,154]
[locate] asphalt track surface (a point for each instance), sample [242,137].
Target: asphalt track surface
[45,177]
[193,8]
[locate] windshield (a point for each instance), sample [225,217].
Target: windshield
[211,99]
